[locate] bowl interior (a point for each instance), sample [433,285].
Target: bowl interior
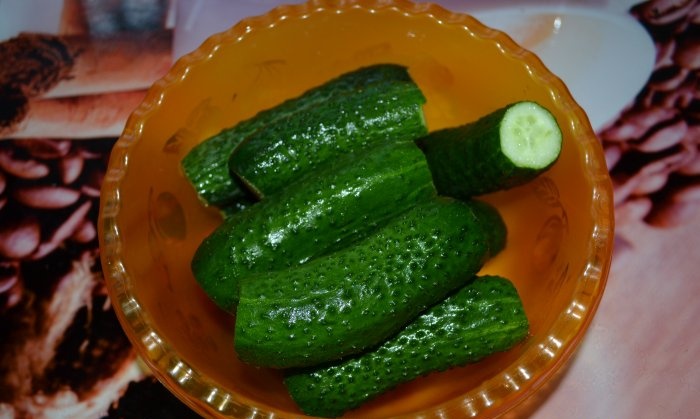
[559,226]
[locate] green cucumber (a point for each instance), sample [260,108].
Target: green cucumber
[312,217]
[278,154]
[206,165]
[483,317]
[504,149]
[353,299]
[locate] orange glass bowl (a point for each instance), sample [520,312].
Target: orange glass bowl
[560,226]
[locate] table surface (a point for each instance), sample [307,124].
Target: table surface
[63,354]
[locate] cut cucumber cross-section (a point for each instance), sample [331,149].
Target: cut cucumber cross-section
[530,136]
[506,148]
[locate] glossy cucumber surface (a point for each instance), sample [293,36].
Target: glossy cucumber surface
[279,154]
[353,299]
[206,165]
[483,317]
[316,216]
[506,148]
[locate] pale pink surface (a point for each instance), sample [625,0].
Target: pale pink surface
[641,356]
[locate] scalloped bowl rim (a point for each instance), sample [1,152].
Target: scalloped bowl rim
[137,324]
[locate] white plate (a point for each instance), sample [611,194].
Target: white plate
[605,58]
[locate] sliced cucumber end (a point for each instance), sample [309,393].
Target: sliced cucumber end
[530,136]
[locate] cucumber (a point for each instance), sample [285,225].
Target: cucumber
[350,300]
[206,165]
[278,154]
[504,149]
[483,317]
[312,217]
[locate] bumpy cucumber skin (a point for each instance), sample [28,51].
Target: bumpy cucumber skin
[206,165]
[483,317]
[278,154]
[323,213]
[467,160]
[347,301]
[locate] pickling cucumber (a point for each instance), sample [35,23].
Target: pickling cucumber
[506,148]
[483,317]
[361,192]
[206,165]
[278,154]
[347,301]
